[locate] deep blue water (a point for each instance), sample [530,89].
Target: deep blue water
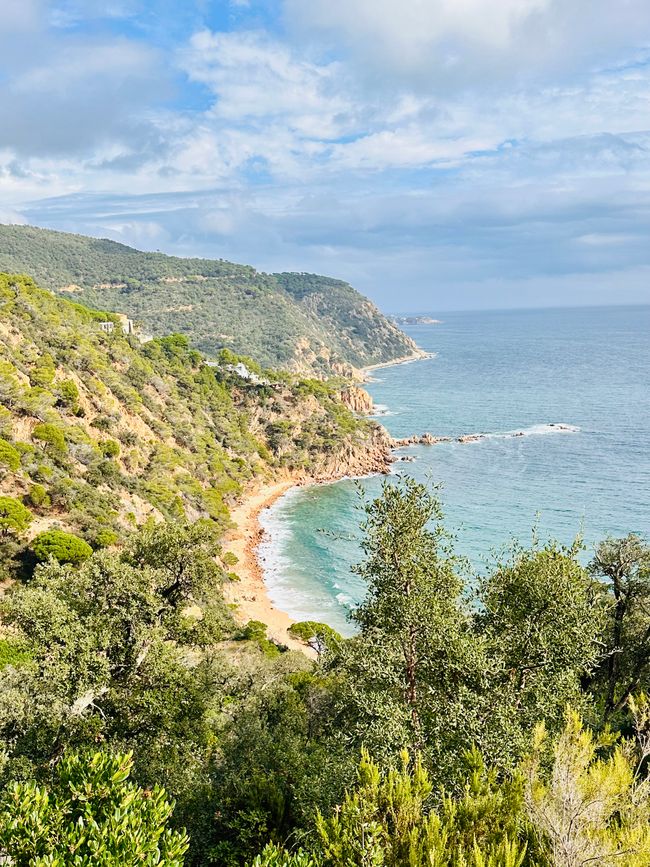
[493,372]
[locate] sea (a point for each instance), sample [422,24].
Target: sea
[563,397]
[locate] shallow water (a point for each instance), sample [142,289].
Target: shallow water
[498,373]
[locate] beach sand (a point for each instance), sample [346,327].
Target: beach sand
[249,593]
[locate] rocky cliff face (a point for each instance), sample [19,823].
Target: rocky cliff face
[357,399]
[361,457]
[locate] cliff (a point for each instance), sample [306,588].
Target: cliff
[357,399]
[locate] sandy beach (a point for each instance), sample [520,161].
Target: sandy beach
[249,593]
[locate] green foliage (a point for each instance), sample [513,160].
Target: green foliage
[594,807]
[255,631]
[64,547]
[9,457]
[308,630]
[38,496]
[191,435]
[409,672]
[185,557]
[68,393]
[110,448]
[428,670]
[542,621]
[623,565]
[392,818]
[42,374]
[12,652]
[14,517]
[52,436]
[300,321]
[92,815]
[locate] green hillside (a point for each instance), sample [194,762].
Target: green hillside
[98,432]
[301,322]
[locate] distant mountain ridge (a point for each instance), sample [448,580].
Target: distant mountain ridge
[302,322]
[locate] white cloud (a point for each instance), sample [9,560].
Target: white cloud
[255,78]
[448,43]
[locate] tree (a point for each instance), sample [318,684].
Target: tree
[592,809]
[51,436]
[624,565]
[93,815]
[184,556]
[9,457]
[14,517]
[408,674]
[541,618]
[64,547]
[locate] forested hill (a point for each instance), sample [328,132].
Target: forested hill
[301,322]
[99,432]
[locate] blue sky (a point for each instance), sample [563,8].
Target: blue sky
[438,154]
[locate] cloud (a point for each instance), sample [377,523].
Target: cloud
[254,78]
[438,147]
[460,43]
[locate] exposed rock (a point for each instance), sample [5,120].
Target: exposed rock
[471,438]
[357,399]
[358,458]
[425,439]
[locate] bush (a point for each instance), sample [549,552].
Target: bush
[94,815]
[64,547]
[68,393]
[12,653]
[51,435]
[14,517]
[9,457]
[110,448]
[39,497]
[255,631]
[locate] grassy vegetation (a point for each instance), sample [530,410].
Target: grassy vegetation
[302,322]
[99,432]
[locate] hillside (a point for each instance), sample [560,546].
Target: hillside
[302,322]
[98,432]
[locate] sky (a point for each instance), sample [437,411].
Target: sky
[437,154]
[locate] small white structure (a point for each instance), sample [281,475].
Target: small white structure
[107,327]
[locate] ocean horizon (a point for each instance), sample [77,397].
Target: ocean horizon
[560,398]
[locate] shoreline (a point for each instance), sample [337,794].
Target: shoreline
[250,593]
[420,355]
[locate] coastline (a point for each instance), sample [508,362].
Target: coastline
[420,355]
[250,593]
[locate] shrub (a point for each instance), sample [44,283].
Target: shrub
[105,538]
[255,631]
[51,435]
[39,497]
[93,815]
[14,517]
[12,653]
[68,393]
[9,457]
[64,547]
[110,448]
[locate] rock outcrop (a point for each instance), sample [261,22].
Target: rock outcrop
[361,457]
[357,399]
[425,439]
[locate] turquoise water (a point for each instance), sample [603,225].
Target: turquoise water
[493,372]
